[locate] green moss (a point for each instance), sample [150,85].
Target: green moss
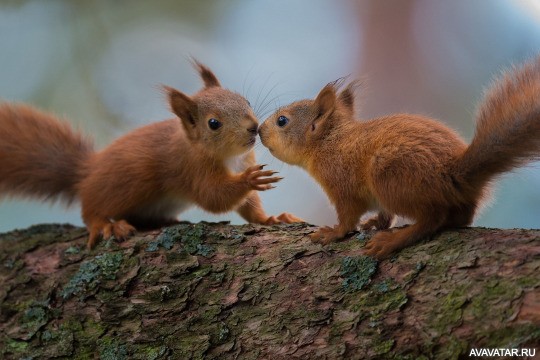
[362,236]
[387,301]
[151,353]
[357,271]
[453,348]
[57,343]
[152,246]
[512,336]
[34,318]
[528,282]
[232,236]
[111,349]
[165,240]
[90,273]
[495,298]
[382,347]
[189,347]
[191,236]
[385,286]
[15,346]
[448,313]
[72,250]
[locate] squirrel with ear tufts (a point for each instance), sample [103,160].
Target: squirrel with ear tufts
[403,164]
[148,176]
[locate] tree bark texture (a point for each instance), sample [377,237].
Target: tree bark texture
[208,291]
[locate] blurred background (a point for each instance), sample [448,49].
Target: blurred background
[100,63]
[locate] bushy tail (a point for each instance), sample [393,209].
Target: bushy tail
[40,156]
[508,127]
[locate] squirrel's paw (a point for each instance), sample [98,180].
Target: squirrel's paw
[370,223]
[381,246]
[326,235]
[378,222]
[284,218]
[119,229]
[260,180]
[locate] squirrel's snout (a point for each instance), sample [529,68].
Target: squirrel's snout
[253,130]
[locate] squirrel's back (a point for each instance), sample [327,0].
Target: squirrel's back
[39,155]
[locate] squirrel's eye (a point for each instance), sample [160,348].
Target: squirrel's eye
[214,124]
[282,121]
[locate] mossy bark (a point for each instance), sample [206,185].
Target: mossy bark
[250,292]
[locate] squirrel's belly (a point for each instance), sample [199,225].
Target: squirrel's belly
[167,207]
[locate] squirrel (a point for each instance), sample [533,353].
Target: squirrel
[148,176]
[402,164]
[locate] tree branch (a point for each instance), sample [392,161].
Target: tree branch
[221,291]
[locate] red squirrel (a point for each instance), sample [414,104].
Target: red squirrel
[404,164]
[148,176]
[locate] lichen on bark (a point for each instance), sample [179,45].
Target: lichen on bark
[220,291]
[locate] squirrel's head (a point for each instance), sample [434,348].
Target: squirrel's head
[219,119]
[294,131]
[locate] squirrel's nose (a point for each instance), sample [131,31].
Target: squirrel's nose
[253,130]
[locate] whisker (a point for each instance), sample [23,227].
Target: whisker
[257,104]
[265,107]
[245,79]
[262,103]
[266,102]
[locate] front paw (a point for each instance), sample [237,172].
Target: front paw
[284,218]
[259,180]
[326,235]
[381,246]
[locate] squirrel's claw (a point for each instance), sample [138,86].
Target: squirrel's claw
[326,235]
[121,230]
[380,246]
[260,180]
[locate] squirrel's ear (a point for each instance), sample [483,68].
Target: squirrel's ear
[185,108]
[208,77]
[325,103]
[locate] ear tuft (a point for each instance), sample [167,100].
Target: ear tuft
[208,77]
[347,95]
[338,83]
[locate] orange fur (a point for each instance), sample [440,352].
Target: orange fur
[405,164]
[147,176]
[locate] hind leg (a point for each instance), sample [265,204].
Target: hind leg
[381,221]
[460,216]
[104,228]
[385,243]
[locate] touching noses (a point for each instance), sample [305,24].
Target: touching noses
[253,129]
